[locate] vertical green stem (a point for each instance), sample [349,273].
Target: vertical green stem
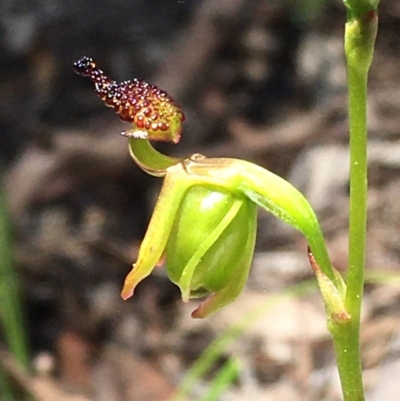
[358,190]
[360,36]
[359,44]
[347,349]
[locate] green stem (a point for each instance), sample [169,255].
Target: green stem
[360,36]
[358,191]
[347,349]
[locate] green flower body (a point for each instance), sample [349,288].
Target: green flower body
[204,222]
[211,243]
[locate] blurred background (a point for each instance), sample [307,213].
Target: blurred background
[262,80]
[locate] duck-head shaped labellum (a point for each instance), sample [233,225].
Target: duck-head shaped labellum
[153,113]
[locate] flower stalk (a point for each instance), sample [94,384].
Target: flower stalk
[360,34]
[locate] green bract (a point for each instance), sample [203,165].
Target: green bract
[204,224]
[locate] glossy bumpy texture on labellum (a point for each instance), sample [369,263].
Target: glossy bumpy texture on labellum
[151,110]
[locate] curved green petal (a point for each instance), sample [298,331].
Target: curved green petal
[188,271]
[236,283]
[157,234]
